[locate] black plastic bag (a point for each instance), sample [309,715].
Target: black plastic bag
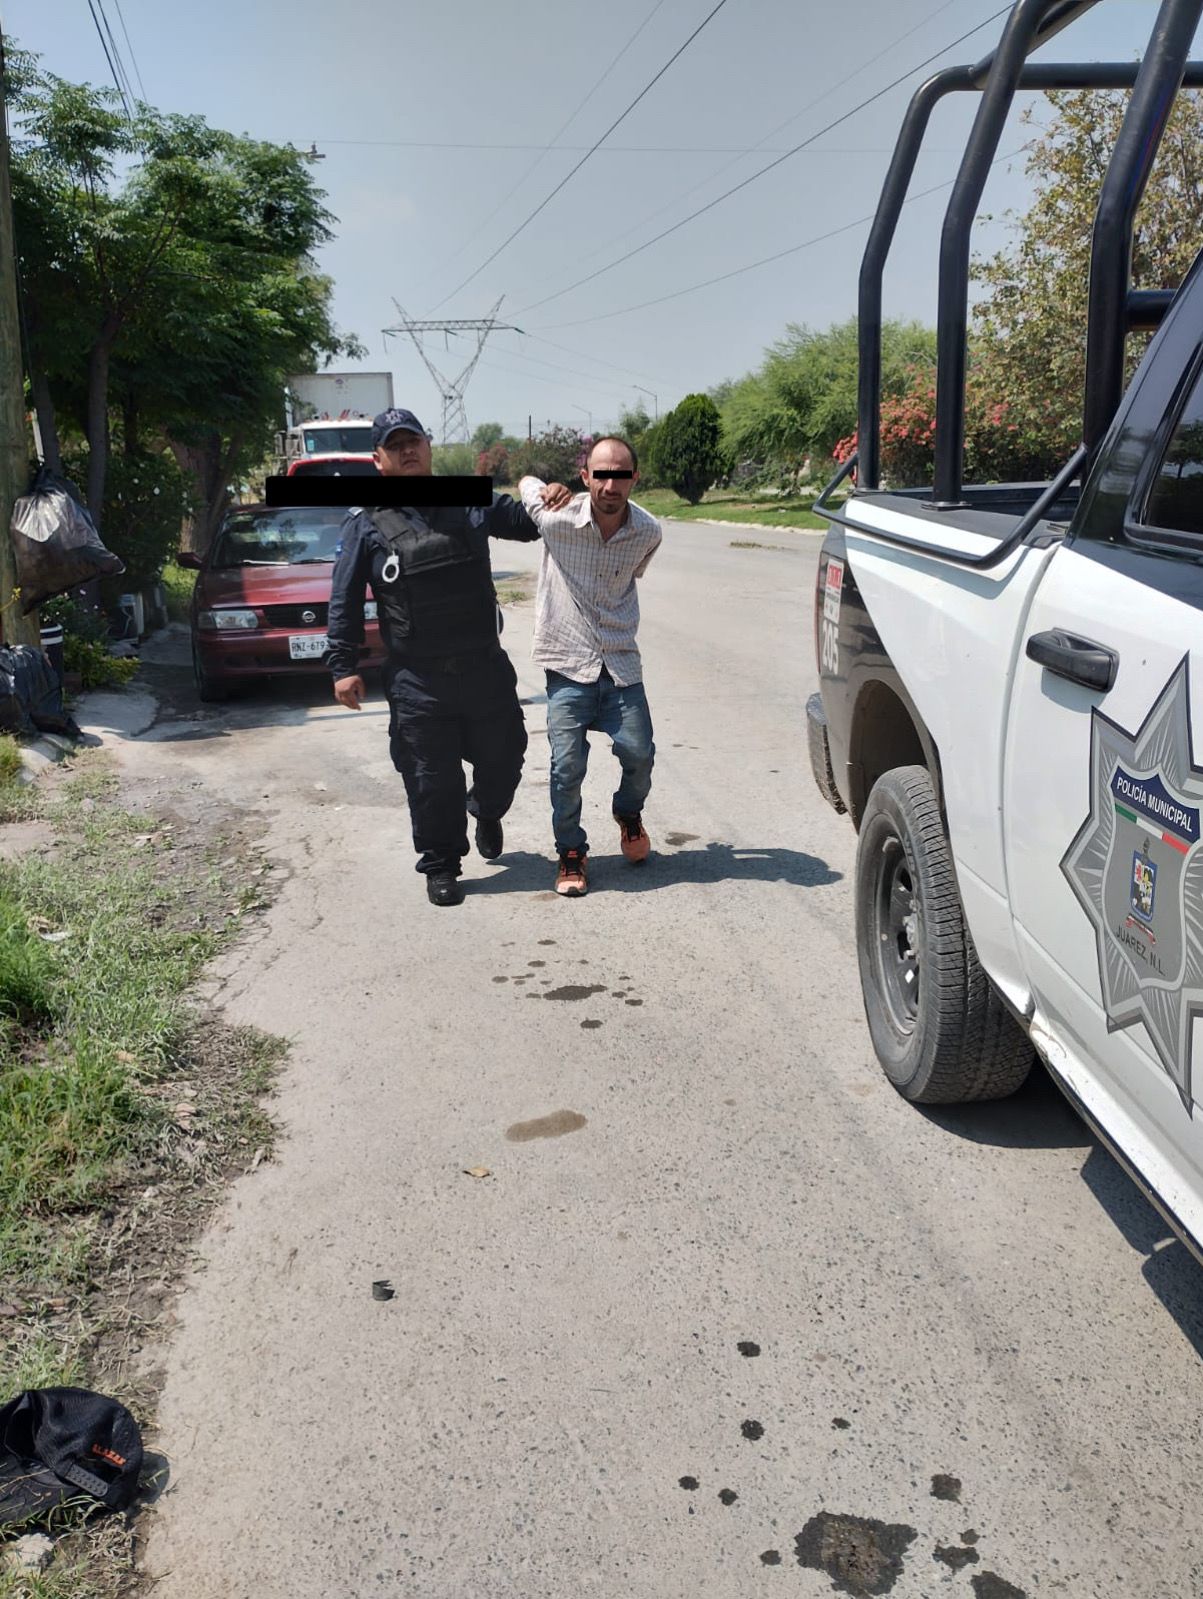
[55,542]
[31,693]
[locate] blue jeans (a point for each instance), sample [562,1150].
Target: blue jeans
[573,711]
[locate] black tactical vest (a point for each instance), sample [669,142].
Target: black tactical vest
[441,600]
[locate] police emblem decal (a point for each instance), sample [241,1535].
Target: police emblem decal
[1136,869]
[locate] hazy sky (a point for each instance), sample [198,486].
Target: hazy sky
[434,122]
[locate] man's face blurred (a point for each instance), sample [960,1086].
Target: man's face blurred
[403,454]
[609,495]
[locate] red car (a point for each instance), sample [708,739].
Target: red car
[261,597]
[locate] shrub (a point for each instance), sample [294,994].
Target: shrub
[688,454]
[556,456]
[96,667]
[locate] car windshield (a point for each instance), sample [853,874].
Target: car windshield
[277,537]
[338,468]
[334,440]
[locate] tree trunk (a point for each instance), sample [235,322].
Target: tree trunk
[129,415]
[204,464]
[43,405]
[98,415]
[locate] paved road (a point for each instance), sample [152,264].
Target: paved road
[972,1295]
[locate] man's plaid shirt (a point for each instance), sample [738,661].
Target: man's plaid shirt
[586,606]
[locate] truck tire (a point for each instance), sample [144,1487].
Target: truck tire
[941,1032]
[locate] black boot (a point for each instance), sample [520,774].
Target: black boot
[444,889]
[490,839]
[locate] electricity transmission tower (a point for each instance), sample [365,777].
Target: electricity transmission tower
[455,417]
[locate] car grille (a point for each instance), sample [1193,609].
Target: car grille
[294,616]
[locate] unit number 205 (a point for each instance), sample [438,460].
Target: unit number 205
[829,647]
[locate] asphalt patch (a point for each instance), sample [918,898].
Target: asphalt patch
[748,1349]
[752,1430]
[676,839]
[575,991]
[590,1023]
[728,1496]
[771,1557]
[947,1488]
[988,1585]
[862,1557]
[688,1483]
[954,1557]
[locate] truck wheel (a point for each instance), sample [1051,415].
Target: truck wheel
[941,1033]
[209,690]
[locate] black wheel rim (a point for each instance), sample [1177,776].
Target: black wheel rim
[897,935]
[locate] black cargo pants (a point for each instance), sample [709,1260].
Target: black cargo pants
[444,711]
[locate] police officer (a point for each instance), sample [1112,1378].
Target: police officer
[451,688]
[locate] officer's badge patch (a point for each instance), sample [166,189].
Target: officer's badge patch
[1136,868]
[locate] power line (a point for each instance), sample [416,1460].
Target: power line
[709,206]
[526,223]
[611,149]
[760,144]
[479,229]
[574,371]
[555,383]
[104,46]
[820,238]
[130,48]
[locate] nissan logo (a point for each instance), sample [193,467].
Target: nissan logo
[308,616]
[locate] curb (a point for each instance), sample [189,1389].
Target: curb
[760,527]
[42,752]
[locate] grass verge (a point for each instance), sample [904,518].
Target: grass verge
[124,1109]
[726,505]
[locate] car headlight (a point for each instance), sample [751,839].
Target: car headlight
[370,610]
[226,620]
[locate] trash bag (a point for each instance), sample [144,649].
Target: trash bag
[63,1444]
[55,543]
[31,693]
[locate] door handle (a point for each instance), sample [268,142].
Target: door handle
[1081,660]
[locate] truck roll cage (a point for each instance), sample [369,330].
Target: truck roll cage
[1114,309]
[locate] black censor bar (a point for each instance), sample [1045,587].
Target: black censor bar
[378,491]
[603,476]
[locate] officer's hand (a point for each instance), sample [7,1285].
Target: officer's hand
[350,691]
[555,495]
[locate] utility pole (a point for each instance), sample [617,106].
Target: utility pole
[14,440]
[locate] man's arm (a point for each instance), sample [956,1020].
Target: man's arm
[344,627]
[539,498]
[506,519]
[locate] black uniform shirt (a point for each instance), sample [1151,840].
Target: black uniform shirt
[362,553]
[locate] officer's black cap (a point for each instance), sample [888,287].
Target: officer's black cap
[394,421]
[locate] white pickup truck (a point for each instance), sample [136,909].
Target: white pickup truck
[1011,705]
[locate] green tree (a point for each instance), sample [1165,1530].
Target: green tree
[168,279]
[486,435]
[802,400]
[688,453]
[1029,350]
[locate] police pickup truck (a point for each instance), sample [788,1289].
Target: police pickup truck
[1011,706]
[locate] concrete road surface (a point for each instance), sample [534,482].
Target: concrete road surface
[726,1317]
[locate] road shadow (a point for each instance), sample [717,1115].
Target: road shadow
[523,872]
[266,702]
[1040,1117]
[1037,1116]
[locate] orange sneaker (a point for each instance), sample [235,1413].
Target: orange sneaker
[636,845]
[571,877]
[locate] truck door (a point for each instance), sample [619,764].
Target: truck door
[1103,797]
